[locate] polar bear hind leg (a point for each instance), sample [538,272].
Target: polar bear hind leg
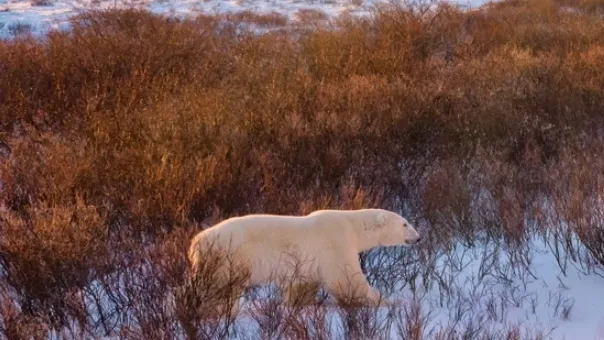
[221,281]
[300,294]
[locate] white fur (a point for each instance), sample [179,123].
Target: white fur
[317,249]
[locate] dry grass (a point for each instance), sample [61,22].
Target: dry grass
[264,20]
[309,16]
[131,131]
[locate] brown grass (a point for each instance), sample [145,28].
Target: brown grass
[307,16]
[265,20]
[131,131]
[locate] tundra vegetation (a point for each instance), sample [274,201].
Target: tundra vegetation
[129,133]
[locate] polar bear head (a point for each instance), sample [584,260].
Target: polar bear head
[393,229]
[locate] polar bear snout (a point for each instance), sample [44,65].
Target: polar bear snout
[411,235]
[413,240]
[397,231]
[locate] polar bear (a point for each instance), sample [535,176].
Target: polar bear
[302,253]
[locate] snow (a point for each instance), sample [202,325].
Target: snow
[39,16]
[537,295]
[481,286]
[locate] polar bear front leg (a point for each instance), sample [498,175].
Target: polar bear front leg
[347,283]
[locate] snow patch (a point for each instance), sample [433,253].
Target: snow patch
[43,15]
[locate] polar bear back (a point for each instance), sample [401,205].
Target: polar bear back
[269,244]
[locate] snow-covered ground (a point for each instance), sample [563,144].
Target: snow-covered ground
[38,16]
[531,291]
[484,288]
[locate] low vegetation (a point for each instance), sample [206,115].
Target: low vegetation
[131,132]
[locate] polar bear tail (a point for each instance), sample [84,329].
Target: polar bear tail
[193,253]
